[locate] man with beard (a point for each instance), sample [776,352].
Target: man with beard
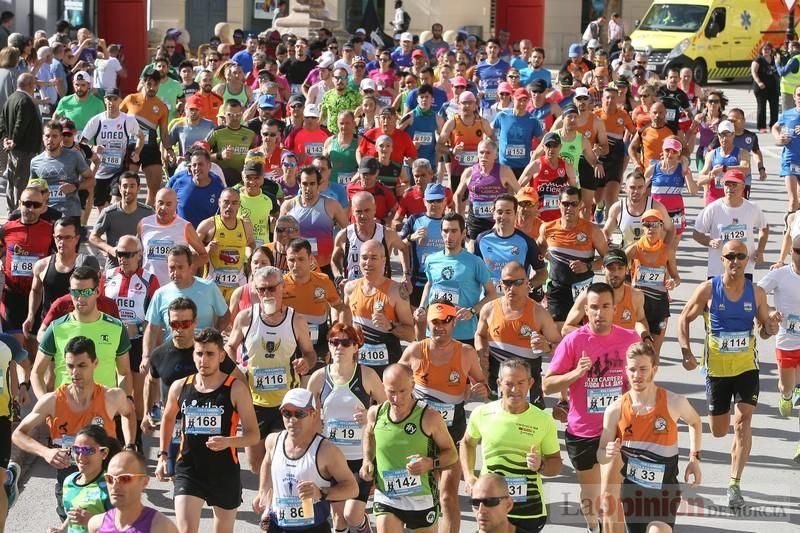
[82,105]
[210,102]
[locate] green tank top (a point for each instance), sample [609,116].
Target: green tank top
[257,209]
[343,161]
[394,443]
[571,151]
[92,497]
[227,95]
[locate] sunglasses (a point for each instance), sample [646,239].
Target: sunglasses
[123,479]
[346,343]
[63,237]
[581,98]
[715,101]
[122,254]
[86,450]
[440,322]
[299,415]
[513,76]
[487,502]
[267,289]
[573,203]
[288,165]
[440,200]
[739,256]
[181,324]
[234,115]
[82,292]
[31,204]
[269,134]
[340,78]
[508,283]
[285,230]
[651,224]
[67,133]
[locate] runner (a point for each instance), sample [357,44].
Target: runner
[786,133]
[231,142]
[488,74]
[518,441]
[405,443]
[643,424]
[69,408]
[161,231]
[515,327]
[460,136]
[667,178]
[517,130]
[446,374]
[152,115]
[727,156]
[491,503]
[207,470]
[229,241]
[343,391]
[730,361]
[256,206]
[423,124]
[590,363]
[127,478]
[619,128]
[648,142]
[367,182]
[625,215]
[549,175]
[276,351]
[655,273]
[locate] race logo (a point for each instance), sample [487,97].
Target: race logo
[581,237]
[430,517]
[525,331]
[448,272]
[319,293]
[454,377]
[410,428]
[660,425]
[626,314]
[562,172]
[98,421]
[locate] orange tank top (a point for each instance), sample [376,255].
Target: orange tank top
[445,383]
[649,274]
[511,338]
[66,423]
[588,129]
[624,311]
[469,135]
[362,306]
[652,141]
[655,431]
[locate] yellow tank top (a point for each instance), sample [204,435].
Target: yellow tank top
[226,263]
[268,352]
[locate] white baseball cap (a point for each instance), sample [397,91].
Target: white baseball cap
[368,84]
[311,110]
[581,91]
[301,398]
[361,30]
[406,36]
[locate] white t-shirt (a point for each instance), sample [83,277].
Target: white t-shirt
[784,283]
[719,221]
[105,74]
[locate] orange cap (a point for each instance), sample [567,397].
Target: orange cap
[527,194]
[441,311]
[653,213]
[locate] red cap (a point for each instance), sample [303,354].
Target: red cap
[418,53]
[521,93]
[734,175]
[195,102]
[202,144]
[459,81]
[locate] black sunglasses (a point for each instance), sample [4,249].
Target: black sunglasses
[574,203]
[30,204]
[121,254]
[487,502]
[738,256]
[286,413]
[508,283]
[268,288]
[341,342]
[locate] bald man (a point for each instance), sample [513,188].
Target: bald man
[126,496]
[380,306]
[163,230]
[348,242]
[398,456]
[492,517]
[21,131]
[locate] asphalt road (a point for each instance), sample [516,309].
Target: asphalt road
[771,481]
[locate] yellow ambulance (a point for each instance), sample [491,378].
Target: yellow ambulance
[717,39]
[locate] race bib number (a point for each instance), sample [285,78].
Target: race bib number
[517,488]
[792,324]
[733,341]
[385,101]
[269,379]
[290,512]
[401,483]
[578,287]
[482,209]
[313,329]
[651,276]
[313,149]
[644,473]
[374,355]
[679,220]
[733,232]
[446,293]
[447,410]
[549,202]
[467,158]
[157,250]
[515,150]
[344,177]
[423,137]
[22,265]
[297,88]
[202,420]
[344,432]
[671,114]
[598,399]
[226,277]
[490,93]
[314,246]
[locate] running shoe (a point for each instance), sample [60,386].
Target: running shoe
[735,499]
[785,406]
[12,490]
[561,410]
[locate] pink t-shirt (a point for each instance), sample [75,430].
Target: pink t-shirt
[605,381]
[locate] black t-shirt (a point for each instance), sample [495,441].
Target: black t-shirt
[191,89]
[170,363]
[673,101]
[296,71]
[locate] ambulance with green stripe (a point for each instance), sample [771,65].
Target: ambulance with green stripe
[717,39]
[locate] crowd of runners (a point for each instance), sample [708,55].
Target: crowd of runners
[343,244]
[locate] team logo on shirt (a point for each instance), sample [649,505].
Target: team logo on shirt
[626,314]
[155,109]
[448,272]
[660,425]
[748,140]
[587,134]
[515,250]
[581,237]
[748,307]
[454,377]
[561,172]
[525,331]
[430,517]
[620,121]
[98,421]
[410,428]
[319,293]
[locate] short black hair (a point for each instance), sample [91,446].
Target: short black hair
[600,287]
[84,273]
[232,102]
[452,215]
[211,336]
[507,197]
[179,250]
[6,16]
[181,304]
[186,64]
[425,89]
[80,344]
[62,26]
[570,191]
[129,175]
[153,75]
[295,245]
[161,59]
[311,169]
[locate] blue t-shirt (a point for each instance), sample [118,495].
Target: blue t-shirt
[184,135]
[527,75]
[203,292]
[420,250]
[336,191]
[790,156]
[515,134]
[196,204]
[423,130]
[498,251]
[400,59]
[490,77]
[439,99]
[244,60]
[459,279]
